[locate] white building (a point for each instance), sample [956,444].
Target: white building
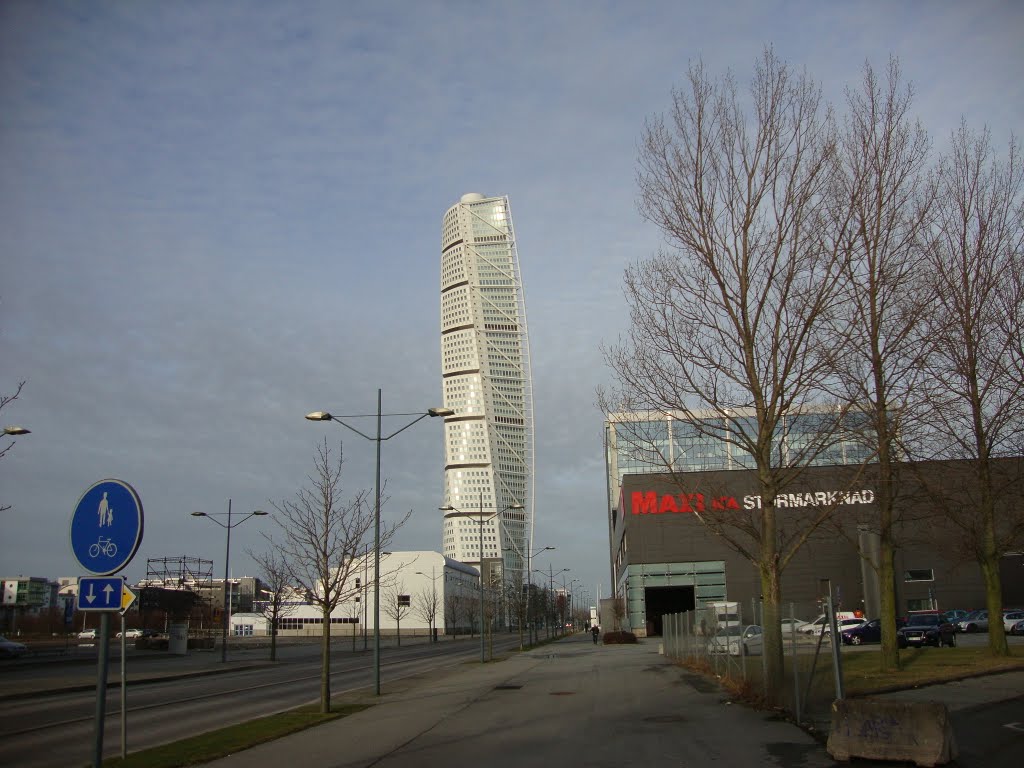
[486,381]
[418,590]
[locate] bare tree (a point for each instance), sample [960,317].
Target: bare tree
[427,606]
[453,611]
[275,576]
[517,599]
[731,316]
[322,537]
[878,214]
[6,400]
[975,393]
[396,605]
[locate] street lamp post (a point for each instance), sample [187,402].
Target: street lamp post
[378,439]
[480,554]
[529,591]
[225,618]
[551,588]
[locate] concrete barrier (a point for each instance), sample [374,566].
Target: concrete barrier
[919,732]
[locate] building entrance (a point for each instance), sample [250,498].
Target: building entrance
[665,600]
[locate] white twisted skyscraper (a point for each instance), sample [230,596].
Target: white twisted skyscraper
[485,375]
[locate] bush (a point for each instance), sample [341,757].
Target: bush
[619,638]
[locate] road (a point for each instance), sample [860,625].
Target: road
[57,730]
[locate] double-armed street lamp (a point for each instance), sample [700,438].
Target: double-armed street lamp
[14,431]
[481,520]
[551,573]
[225,619]
[378,439]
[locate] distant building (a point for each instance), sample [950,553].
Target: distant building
[486,381]
[25,596]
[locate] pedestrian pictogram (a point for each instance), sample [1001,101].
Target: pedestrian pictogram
[106,527]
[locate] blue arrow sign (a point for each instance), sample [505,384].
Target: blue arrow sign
[100,594]
[106,527]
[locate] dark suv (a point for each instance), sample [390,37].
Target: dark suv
[926,629]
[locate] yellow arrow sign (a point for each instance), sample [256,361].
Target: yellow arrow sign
[128,598]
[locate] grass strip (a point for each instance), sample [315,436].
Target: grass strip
[231,739]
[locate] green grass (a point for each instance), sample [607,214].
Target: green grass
[923,666]
[234,738]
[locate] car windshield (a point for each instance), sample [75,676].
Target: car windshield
[976,615]
[926,619]
[728,631]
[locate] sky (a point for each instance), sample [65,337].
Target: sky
[216,217]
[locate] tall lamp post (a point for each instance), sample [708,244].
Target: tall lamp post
[433,598]
[225,619]
[480,519]
[529,590]
[378,439]
[551,587]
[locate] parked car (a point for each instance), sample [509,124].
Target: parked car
[976,621]
[736,640]
[10,649]
[1010,618]
[954,615]
[87,634]
[868,632]
[1017,629]
[131,633]
[788,625]
[843,625]
[926,629]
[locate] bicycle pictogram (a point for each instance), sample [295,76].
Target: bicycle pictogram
[106,546]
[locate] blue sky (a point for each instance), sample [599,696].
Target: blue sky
[218,216]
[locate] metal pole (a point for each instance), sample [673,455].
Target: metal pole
[124,695]
[529,596]
[366,590]
[376,563]
[101,690]
[480,555]
[837,665]
[227,605]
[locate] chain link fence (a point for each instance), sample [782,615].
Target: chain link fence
[727,640]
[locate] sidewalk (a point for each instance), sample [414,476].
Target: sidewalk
[571,702]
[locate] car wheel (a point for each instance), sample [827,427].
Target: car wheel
[972,628]
[952,641]
[856,640]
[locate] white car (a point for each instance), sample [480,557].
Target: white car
[10,649]
[788,625]
[129,633]
[87,634]
[1010,618]
[736,640]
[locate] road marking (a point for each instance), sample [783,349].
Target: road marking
[1015,726]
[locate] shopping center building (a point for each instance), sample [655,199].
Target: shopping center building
[666,556]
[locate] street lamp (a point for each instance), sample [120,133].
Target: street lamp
[480,554]
[227,560]
[378,439]
[529,592]
[551,589]
[12,431]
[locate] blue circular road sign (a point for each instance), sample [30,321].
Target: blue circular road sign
[106,527]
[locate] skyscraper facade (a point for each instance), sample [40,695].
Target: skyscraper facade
[486,381]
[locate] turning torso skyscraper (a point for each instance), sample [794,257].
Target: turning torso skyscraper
[485,375]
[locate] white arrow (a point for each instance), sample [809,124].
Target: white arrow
[1015,726]
[90,597]
[108,589]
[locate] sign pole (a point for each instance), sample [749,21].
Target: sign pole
[101,690]
[124,694]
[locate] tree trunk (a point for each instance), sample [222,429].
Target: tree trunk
[325,663]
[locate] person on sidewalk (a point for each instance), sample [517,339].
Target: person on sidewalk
[595,631]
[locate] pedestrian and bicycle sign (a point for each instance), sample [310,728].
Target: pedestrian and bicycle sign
[106,527]
[107,594]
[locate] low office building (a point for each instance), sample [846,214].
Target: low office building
[666,558]
[419,591]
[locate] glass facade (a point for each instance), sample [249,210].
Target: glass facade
[486,381]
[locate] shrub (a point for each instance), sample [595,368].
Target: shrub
[619,638]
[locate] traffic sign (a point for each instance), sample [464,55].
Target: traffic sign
[106,527]
[128,598]
[102,594]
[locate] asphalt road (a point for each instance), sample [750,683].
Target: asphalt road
[55,730]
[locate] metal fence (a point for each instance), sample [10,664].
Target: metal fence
[732,649]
